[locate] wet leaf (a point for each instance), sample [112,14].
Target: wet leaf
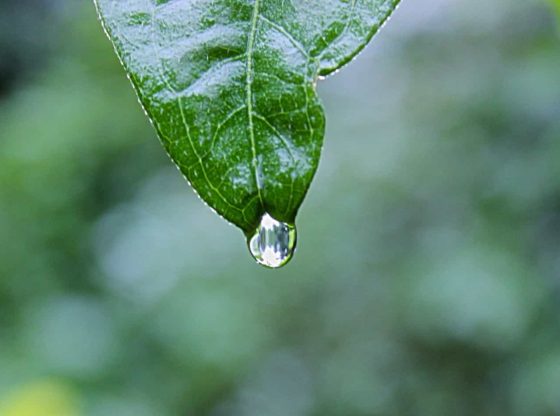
[230,88]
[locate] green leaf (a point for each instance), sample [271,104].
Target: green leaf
[230,88]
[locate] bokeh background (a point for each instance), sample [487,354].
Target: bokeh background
[427,279]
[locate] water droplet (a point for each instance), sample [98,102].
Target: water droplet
[273,243]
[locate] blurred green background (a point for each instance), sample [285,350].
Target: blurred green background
[427,279]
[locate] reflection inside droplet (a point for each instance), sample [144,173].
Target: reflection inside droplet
[273,243]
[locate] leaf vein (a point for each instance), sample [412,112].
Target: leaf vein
[249,92]
[287,34]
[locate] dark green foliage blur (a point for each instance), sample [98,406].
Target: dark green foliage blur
[427,280]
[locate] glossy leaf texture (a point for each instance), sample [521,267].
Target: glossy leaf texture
[230,88]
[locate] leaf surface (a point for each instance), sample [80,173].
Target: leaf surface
[230,88]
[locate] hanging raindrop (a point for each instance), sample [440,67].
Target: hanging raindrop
[273,242]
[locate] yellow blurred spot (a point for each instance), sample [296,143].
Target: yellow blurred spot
[40,399]
[556,5]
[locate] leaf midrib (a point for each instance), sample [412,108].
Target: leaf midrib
[249,93]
